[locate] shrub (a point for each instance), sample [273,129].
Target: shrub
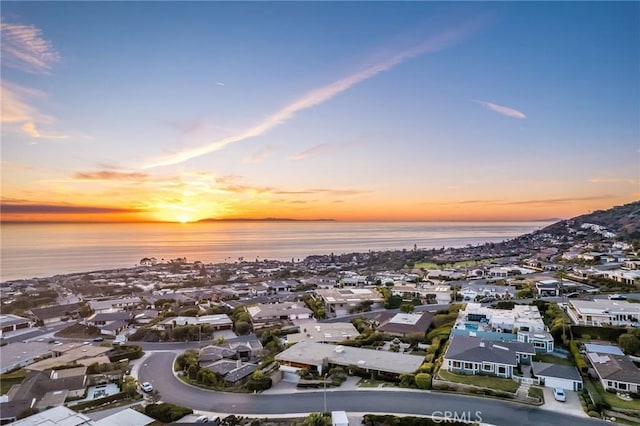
[423,381]
[166,412]
[426,367]
[593,414]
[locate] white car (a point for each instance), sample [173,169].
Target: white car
[147,387]
[559,394]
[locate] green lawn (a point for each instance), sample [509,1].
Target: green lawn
[614,401]
[495,383]
[552,359]
[536,392]
[9,379]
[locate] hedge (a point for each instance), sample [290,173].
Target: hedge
[390,420]
[167,413]
[423,381]
[97,402]
[130,352]
[610,334]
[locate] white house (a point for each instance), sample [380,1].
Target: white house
[602,311]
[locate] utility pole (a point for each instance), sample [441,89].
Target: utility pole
[325,393]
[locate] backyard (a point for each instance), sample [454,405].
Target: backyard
[552,359]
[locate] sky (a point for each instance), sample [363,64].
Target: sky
[180,111]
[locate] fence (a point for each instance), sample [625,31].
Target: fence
[527,380]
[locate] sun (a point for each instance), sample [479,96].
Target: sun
[183,219]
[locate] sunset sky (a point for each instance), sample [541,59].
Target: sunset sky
[351,111]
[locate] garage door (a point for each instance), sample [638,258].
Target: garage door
[288,376]
[554,382]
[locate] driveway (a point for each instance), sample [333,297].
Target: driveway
[570,406]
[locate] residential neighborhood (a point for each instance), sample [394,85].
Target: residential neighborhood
[511,321]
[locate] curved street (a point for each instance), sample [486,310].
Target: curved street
[157,369]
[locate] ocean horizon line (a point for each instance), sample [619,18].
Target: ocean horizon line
[267,220]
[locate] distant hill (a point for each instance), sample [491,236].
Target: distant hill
[624,221]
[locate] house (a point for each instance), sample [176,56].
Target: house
[326,332]
[56,416]
[265,315]
[615,371]
[403,324]
[337,302]
[280,286]
[56,313]
[21,354]
[321,357]
[546,288]
[472,355]
[603,312]
[217,322]
[557,376]
[126,417]
[110,323]
[523,323]
[472,291]
[114,305]
[10,322]
[42,389]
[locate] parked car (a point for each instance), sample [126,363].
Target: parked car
[147,387]
[617,297]
[98,339]
[559,394]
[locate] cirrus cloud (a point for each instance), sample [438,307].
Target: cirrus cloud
[23,48]
[501,109]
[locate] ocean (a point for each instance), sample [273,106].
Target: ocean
[42,250]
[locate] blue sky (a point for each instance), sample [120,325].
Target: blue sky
[360,110]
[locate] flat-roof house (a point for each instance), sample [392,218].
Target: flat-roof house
[472,355]
[557,376]
[10,322]
[603,311]
[337,301]
[321,357]
[56,313]
[325,332]
[56,416]
[269,314]
[114,305]
[217,321]
[523,323]
[402,324]
[21,354]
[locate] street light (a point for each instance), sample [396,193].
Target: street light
[325,393]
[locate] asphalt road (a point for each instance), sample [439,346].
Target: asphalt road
[157,369]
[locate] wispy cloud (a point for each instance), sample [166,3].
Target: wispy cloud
[258,155]
[613,180]
[19,116]
[533,202]
[318,96]
[501,109]
[323,148]
[61,209]
[23,48]
[109,175]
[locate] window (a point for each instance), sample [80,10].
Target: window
[487,367]
[622,386]
[468,366]
[455,364]
[502,370]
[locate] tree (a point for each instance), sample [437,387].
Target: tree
[629,343]
[316,419]
[407,308]
[242,327]
[423,381]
